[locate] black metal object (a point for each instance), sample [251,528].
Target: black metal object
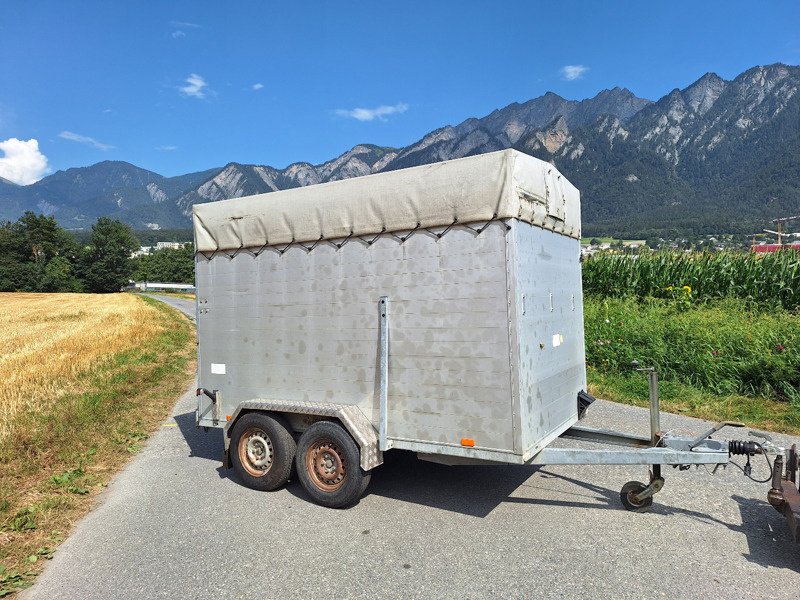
[743,447]
[584,401]
[211,394]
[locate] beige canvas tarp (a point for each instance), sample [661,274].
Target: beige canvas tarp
[505,184]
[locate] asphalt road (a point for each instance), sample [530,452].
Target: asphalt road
[175,524]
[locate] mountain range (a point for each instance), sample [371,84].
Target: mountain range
[716,156]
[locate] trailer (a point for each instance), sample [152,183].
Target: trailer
[435,309]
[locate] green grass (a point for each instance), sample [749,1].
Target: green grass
[726,360]
[60,457]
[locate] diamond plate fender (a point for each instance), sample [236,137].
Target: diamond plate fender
[350,416]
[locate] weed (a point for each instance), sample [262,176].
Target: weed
[24,519]
[14,581]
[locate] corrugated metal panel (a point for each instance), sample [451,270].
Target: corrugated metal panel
[303,326]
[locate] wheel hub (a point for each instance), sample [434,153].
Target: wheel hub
[256,452]
[326,466]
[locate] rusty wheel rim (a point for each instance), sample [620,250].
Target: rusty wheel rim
[325,465]
[256,452]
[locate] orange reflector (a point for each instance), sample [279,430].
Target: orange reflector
[467,442]
[227,417]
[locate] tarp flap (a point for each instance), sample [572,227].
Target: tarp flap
[506,184]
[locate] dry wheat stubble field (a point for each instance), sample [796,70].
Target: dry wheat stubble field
[85,379]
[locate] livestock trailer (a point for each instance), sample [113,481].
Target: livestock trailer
[435,309]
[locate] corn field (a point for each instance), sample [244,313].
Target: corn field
[770,279]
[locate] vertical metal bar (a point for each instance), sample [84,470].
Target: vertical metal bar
[655,409]
[383,351]
[777,472]
[216,401]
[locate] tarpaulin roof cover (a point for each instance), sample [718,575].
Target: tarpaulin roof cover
[498,185]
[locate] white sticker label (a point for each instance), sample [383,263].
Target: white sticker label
[558,339]
[218,368]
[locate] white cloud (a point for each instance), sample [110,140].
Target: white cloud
[370,114]
[257,86]
[185,24]
[178,34]
[166,148]
[22,162]
[195,86]
[85,139]
[573,72]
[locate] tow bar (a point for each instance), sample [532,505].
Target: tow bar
[662,448]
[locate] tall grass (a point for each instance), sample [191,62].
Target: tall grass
[768,279]
[49,340]
[725,347]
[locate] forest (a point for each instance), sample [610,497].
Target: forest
[38,255]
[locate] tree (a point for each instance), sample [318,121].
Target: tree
[57,276]
[106,262]
[36,255]
[167,265]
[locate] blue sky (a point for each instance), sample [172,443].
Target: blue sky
[177,87]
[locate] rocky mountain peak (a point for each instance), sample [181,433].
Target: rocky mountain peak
[703,93]
[617,102]
[766,76]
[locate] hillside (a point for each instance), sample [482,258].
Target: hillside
[714,156]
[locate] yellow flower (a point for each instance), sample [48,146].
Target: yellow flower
[668,289]
[687,289]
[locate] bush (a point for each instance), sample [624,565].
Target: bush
[728,347]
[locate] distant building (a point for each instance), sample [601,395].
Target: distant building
[159,246]
[761,248]
[170,245]
[152,286]
[141,251]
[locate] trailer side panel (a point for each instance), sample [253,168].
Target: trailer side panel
[303,325]
[549,334]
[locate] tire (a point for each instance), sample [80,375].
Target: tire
[262,451]
[328,465]
[626,495]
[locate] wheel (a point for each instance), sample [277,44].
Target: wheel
[629,490]
[262,451]
[328,465]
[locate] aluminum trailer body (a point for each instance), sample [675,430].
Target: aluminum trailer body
[486,334]
[436,309]
[486,322]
